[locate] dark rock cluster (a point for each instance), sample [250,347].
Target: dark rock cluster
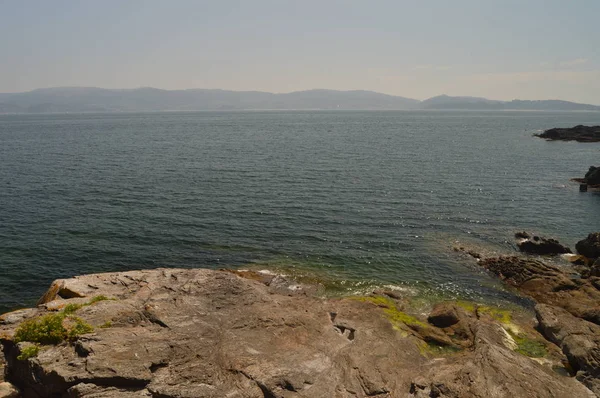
[592,177]
[578,133]
[590,246]
[539,245]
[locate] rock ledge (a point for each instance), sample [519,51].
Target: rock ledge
[202,333]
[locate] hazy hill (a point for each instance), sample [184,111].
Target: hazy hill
[89,99]
[550,105]
[447,102]
[476,103]
[79,99]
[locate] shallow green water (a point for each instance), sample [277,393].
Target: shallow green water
[353,198]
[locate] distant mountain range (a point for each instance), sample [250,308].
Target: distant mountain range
[88,99]
[476,103]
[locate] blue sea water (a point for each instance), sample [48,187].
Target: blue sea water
[357,199]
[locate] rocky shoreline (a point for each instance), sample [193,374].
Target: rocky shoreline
[578,133]
[203,333]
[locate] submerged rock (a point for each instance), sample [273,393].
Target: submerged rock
[578,133]
[173,333]
[522,235]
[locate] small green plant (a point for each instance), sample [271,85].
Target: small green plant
[47,329]
[96,299]
[29,352]
[51,330]
[106,324]
[78,327]
[55,328]
[71,308]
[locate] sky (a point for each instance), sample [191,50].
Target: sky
[499,49]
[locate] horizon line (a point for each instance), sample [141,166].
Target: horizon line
[284,93]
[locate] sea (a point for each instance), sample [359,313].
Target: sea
[354,200]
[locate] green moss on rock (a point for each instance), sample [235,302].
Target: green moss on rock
[529,347]
[97,299]
[502,315]
[78,327]
[391,311]
[30,351]
[71,308]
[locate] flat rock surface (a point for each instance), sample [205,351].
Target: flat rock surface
[202,333]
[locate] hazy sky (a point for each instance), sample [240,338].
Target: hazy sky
[503,49]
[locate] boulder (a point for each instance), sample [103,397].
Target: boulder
[444,315]
[7,390]
[590,246]
[454,321]
[578,339]
[542,246]
[592,177]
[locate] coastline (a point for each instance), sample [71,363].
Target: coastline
[259,334]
